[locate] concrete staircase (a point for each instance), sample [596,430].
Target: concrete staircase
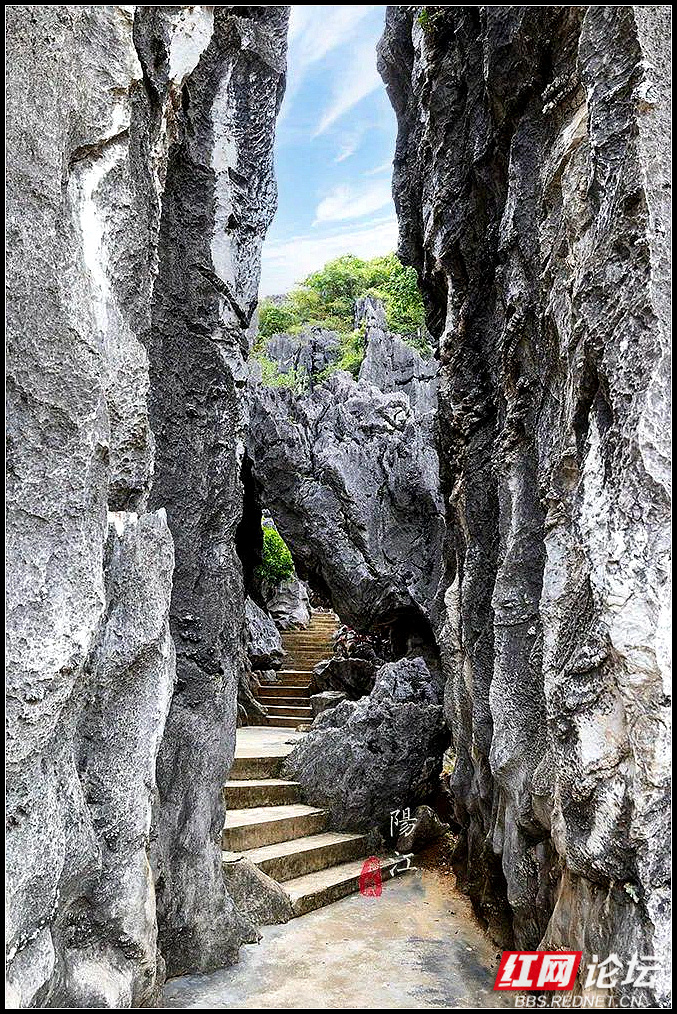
[266,818]
[267,822]
[288,700]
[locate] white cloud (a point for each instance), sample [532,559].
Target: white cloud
[358,79]
[348,202]
[348,148]
[314,32]
[387,167]
[287,262]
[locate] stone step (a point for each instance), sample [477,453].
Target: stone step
[251,828]
[284,721]
[318,646]
[326,634]
[307,662]
[314,890]
[283,684]
[307,651]
[290,859]
[285,703]
[246,768]
[242,793]
[280,690]
[298,710]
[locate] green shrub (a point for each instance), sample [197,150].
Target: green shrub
[326,297]
[276,564]
[428,16]
[273,376]
[276,319]
[352,350]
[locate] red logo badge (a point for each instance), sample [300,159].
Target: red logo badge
[370,878]
[538,970]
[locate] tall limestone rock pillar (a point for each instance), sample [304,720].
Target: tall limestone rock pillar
[120,120]
[532,188]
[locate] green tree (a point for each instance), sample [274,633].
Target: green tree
[276,564]
[403,303]
[275,318]
[326,297]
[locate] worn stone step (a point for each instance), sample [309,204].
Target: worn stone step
[298,710]
[285,702]
[298,684]
[290,859]
[309,653]
[315,890]
[285,721]
[281,690]
[251,828]
[312,649]
[245,768]
[242,793]
[309,636]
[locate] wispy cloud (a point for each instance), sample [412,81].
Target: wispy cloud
[347,202]
[387,167]
[359,79]
[314,32]
[349,145]
[287,262]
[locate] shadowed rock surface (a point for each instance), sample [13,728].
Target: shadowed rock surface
[289,604]
[140,181]
[259,897]
[363,759]
[218,200]
[263,641]
[355,676]
[351,477]
[532,191]
[425,827]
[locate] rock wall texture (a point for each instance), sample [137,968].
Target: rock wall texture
[140,184]
[350,474]
[531,186]
[219,197]
[365,759]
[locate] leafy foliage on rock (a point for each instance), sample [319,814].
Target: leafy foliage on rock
[276,564]
[326,297]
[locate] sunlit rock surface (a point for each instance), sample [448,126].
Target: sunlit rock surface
[532,191]
[133,266]
[351,477]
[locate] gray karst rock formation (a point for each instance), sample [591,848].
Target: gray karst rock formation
[351,477]
[364,759]
[141,185]
[289,604]
[263,641]
[494,518]
[531,186]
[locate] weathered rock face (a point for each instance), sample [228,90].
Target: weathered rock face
[392,365]
[265,653]
[218,199]
[531,187]
[363,759]
[351,477]
[258,896]
[263,641]
[424,828]
[105,191]
[355,676]
[289,604]
[310,352]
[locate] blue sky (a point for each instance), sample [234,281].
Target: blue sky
[334,146]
